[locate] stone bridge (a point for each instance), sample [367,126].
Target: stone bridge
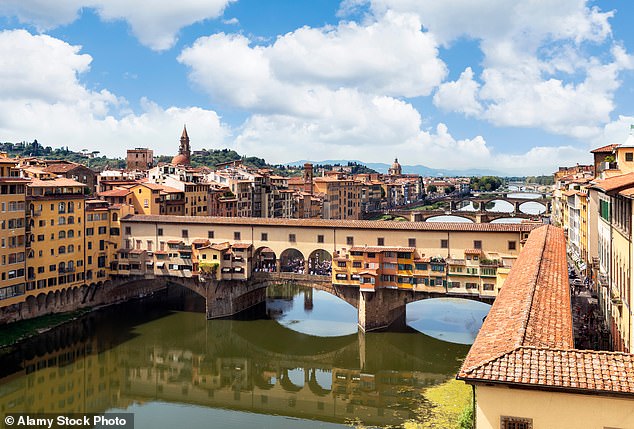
[376,310]
[474,216]
[480,202]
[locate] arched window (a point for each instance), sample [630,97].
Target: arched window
[61,250]
[70,233]
[71,207]
[71,220]
[61,207]
[70,248]
[62,234]
[61,220]
[61,267]
[71,266]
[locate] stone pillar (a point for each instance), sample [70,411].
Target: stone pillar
[229,297]
[378,309]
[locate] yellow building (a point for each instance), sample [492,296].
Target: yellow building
[341,197]
[13,240]
[56,219]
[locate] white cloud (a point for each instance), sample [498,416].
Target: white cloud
[536,70]
[154,22]
[460,95]
[42,98]
[389,57]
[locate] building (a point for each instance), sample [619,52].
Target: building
[523,366]
[14,230]
[140,158]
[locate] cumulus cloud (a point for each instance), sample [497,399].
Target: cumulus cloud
[536,70]
[459,96]
[390,57]
[41,97]
[154,22]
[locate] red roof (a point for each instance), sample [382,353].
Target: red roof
[527,340]
[615,183]
[606,149]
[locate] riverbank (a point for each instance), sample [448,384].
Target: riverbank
[13,333]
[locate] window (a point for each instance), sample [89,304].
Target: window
[159,231]
[487,286]
[265,236]
[454,284]
[61,234]
[184,233]
[61,250]
[411,242]
[444,244]
[350,241]
[70,233]
[101,230]
[380,241]
[236,235]
[320,238]
[629,156]
[341,264]
[90,231]
[292,238]
[512,245]
[210,234]
[515,423]
[356,264]
[128,230]
[472,285]
[477,244]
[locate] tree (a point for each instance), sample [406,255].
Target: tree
[449,189]
[432,189]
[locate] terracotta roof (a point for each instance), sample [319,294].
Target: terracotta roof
[527,339]
[174,241]
[241,245]
[381,249]
[606,149]
[114,193]
[615,183]
[61,168]
[200,241]
[343,224]
[59,181]
[472,251]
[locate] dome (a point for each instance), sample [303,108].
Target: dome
[180,159]
[396,165]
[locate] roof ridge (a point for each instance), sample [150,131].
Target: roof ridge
[533,283]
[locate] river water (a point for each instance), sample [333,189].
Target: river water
[297,361]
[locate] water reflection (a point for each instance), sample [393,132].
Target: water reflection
[293,308]
[143,356]
[448,319]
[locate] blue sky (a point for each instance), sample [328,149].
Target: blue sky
[518,87]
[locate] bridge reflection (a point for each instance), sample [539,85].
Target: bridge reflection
[98,363]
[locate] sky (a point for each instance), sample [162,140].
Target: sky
[517,87]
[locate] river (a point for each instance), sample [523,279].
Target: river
[296,361]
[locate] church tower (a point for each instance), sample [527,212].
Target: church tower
[184,152]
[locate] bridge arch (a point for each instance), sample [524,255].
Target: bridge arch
[442,218]
[531,203]
[314,384]
[292,261]
[264,259]
[287,382]
[500,206]
[320,263]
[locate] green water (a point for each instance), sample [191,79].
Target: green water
[296,362]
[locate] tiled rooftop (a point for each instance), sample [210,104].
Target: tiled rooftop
[379,249]
[615,183]
[323,223]
[527,336]
[605,149]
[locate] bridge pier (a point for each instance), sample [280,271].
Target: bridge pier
[379,309]
[226,298]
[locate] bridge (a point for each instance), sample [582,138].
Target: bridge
[480,202]
[473,216]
